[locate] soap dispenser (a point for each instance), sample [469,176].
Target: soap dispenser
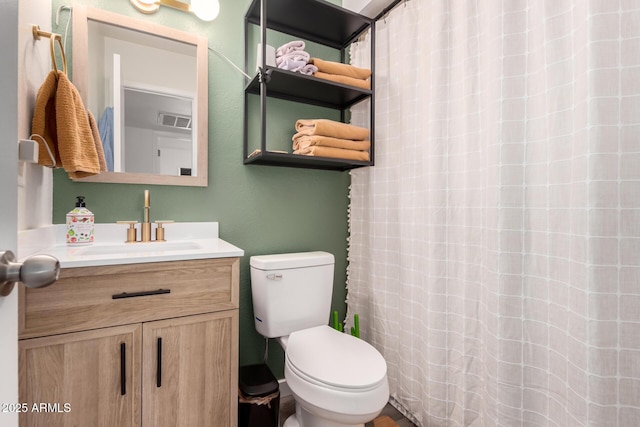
[80,224]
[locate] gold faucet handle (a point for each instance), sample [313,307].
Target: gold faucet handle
[160,229]
[131,231]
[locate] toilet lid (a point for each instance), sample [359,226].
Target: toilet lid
[335,358]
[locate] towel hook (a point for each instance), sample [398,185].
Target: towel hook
[53,38]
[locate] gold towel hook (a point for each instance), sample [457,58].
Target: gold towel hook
[53,37]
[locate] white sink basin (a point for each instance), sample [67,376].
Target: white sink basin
[185,241]
[131,248]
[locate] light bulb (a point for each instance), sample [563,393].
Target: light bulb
[207,10]
[145,6]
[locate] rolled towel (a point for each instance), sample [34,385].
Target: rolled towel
[340,69]
[291,65]
[299,55]
[290,47]
[326,127]
[308,70]
[336,153]
[301,141]
[362,84]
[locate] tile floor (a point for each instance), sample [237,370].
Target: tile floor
[287,408]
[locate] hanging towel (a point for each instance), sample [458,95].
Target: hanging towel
[75,139]
[340,69]
[290,47]
[336,153]
[95,132]
[105,125]
[332,128]
[60,118]
[44,121]
[362,84]
[301,141]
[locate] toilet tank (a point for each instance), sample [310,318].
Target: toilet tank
[291,292]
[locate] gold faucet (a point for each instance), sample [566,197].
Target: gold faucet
[145,233]
[145,227]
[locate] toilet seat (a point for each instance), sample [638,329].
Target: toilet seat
[335,360]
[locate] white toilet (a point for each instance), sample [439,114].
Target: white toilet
[337,380]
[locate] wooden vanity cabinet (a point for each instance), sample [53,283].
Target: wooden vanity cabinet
[196,359]
[176,364]
[87,378]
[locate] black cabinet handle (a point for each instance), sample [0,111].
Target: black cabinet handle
[159,366]
[140,294]
[123,369]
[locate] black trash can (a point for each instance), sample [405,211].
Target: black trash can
[258,397]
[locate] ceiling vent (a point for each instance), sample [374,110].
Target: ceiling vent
[174,120]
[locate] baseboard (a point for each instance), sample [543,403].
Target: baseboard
[284,388]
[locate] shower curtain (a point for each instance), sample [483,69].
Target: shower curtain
[494,251]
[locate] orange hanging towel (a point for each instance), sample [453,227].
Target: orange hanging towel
[75,140]
[43,125]
[61,119]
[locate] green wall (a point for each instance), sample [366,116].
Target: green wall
[261,209]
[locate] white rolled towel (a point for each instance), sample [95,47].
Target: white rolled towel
[290,47]
[297,56]
[308,70]
[291,65]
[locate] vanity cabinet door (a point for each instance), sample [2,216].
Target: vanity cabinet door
[190,371]
[87,378]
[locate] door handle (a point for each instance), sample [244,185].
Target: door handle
[140,294]
[159,364]
[123,369]
[37,271]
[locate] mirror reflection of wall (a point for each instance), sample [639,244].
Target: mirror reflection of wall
[157,128]
[144,97]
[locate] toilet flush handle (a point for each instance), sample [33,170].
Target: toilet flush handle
[275,276]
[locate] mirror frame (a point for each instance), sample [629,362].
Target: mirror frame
[81,16]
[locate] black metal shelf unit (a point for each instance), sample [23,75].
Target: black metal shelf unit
[317,21]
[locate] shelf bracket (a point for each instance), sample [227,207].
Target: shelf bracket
[264,76]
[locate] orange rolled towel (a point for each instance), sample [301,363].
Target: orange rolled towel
[326,127]
[362,84]
[340,69]
[301,141]
[336,153]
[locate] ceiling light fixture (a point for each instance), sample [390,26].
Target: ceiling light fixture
[207,10]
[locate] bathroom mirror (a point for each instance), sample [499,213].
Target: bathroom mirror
[147,87]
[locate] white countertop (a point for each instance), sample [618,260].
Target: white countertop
[185,240]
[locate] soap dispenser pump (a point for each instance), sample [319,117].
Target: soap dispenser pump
[80,222]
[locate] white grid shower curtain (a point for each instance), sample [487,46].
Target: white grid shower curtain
[494,256]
